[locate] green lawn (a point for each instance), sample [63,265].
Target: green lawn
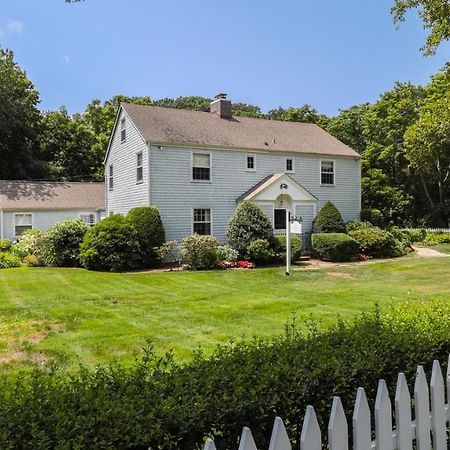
[445,248]
[65,315]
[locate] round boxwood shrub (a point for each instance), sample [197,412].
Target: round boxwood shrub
[335,247]
[199,252]
[260,252]
[8,260]
[63,243]
[378,243]
[248,224]
[111,244]
[329,220]
[150,232]
[296,248]
[372,215]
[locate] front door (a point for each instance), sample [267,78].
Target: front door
[280,219]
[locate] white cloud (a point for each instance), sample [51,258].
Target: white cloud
[15,26]
[66,59]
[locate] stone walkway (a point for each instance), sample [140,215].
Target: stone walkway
[426,252]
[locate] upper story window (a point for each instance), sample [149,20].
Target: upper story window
[290,165]
[88,218]
[250,163]
[201,166]
[201,223]
[327,172]
[139,167]
[110,177]
[123,130]
[23,222]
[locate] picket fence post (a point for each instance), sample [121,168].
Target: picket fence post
[427,431]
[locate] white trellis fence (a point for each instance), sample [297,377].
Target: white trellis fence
[427,431]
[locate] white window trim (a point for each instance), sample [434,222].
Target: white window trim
[109,177]
[293,165]
[334,172]
[123,127]
[211,218]
[19,214]
[210,166]
[87,213]
[252,155]
[140,152]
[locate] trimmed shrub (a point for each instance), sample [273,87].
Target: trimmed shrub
[62,248]
[8,260]
[167,253]
[150,232]
[296,248]
[356,225]
[403,236]
[29,243]
[378,243]
[5,245]
[329,220]
[248,224]
[160,404]
[373,216]
[260,252]
[199,252]
[335,247]
[227,253]
[110,244]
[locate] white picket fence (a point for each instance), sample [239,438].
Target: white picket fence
[427,430]
[430,230]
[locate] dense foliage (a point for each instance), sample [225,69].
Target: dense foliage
[110,244]
[150,232]
[248,224]
[378,243]
[157,403]
[335,247]
[199,252]
[8,260]
[296,248]
[260,252]
[328,220]
[63,242]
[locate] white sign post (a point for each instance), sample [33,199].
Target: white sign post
[288,242]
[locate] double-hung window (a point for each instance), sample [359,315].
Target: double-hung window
[250,163]
[23,222]
[201,221]
[88,218]
[201,166]
[123,130]
[139,167]
[110,177]
[327,172]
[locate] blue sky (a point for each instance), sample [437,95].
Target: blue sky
[328,53]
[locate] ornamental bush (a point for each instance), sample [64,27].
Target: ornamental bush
[329,220]
[161,404]
[356,225]
[5,245]
[29,243]
[436,238]
[260,252]
[248,224]
[227,253]
[335,247]
[378,243]
[296,248]
[111,244]
[63,242]
[373,216]
[150,232]
[199,252]
[8,260]
[417,235]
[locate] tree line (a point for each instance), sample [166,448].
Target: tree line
[403,138]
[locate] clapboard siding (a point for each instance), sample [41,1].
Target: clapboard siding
[126,193]
[173,192]
[42,220]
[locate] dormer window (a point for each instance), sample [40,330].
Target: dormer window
[250,163]
[123,130]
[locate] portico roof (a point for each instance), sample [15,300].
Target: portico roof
[272,186]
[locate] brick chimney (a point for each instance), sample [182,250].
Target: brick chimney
[221,106]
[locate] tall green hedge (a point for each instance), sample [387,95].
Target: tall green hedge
[160,404]
[335,247]
[329,220]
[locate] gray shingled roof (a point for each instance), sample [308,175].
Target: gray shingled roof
[32,195]
[160,125]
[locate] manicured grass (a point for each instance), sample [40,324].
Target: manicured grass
[444,248]
[70,315]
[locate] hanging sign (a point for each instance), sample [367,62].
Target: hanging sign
[296,227]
